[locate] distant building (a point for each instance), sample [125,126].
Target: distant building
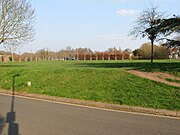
[5,58]
[174,53]
[102,56]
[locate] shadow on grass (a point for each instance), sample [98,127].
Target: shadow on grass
[142,66]
[12,65]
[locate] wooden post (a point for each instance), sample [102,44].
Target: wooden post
[84,56]
[109,56]
[115,56]
[91,57]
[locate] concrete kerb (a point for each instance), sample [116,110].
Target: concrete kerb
[159,112]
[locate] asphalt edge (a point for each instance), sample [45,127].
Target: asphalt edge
[151,111]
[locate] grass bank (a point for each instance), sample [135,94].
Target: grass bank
[104,81]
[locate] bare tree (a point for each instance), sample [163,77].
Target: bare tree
[12,47]
[17,19]
[147,19]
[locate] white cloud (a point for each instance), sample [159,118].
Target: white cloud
[125,12]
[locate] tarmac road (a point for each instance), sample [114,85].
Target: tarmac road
[32,117]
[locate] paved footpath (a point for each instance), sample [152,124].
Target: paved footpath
[31,117]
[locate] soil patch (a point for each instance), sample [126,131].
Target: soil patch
[157,76]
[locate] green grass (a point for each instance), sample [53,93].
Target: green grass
[172,80]
[168,66]
[104,81]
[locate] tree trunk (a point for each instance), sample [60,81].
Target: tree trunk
[12,55]
[152,50]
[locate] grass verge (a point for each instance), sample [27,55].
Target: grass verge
[104,81]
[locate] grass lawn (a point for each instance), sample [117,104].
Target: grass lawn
[104,81]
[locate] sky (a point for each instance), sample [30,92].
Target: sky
[95,24]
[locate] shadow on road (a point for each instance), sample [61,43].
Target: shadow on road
[2,123]
[13,128]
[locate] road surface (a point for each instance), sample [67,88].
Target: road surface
[32,117]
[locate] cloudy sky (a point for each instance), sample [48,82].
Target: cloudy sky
[96,24]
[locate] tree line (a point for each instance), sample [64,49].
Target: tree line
[70,54]
[144,52]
